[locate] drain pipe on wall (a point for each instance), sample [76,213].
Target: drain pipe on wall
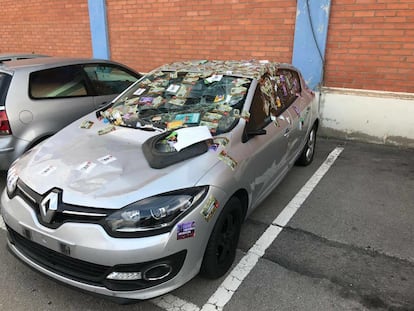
[99,29]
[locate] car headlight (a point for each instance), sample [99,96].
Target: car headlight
[154,213]
[12,178]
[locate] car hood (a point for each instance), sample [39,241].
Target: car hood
[105,171]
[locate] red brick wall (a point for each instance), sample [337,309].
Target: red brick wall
[148,33]
[370,42]
[58,28]
[371,45]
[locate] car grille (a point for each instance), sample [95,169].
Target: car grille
[66,212]
[61,264]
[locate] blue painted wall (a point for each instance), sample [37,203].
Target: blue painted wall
[309,55]
[99,28]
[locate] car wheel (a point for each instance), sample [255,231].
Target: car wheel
[221,247]
[308,151]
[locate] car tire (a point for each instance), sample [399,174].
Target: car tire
[221,248]
[306,157]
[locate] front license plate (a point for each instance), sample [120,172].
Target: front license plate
[47,241]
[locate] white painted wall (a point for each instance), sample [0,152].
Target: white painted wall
[371,116]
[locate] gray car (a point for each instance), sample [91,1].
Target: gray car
[134,200]
[40,96]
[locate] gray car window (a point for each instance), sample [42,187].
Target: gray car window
[67,81]
[108,80]
[287,86]
[4,85]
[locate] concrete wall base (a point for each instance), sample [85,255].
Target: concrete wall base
[368,116]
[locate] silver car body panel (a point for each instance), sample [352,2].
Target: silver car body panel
[59,163]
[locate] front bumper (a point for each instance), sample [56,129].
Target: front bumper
[94,254]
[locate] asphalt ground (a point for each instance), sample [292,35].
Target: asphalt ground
[350,246]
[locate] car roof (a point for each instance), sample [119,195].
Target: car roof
[6,56]
[243,68]
[49,62]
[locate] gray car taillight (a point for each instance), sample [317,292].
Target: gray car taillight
[4,123]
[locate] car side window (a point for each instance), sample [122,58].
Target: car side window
[67,81]
[259,112]
[287,86]
[107,79]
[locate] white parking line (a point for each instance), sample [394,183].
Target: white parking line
[2,225]
[172,303]
[232,282]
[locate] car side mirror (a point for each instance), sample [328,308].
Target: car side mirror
[248,134]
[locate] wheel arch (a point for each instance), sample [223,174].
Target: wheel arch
[243,196]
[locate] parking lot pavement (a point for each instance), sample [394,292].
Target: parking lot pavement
[350,246]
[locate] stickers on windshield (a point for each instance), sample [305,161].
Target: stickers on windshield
[183,91]
[211,117]
[238,90]
[131,101]
[219,98]
[191,78]
[185,230]
[146,100]
[139,91]
[229,161]
[47,170]
[107,159]
[106,130]
[173,88]
[211,125]
[86,124]
[156,90]
[174,124]
[209,208]
[177,101]
[157,101]
[86,167]
[188,118]
[145,82]
[213,78]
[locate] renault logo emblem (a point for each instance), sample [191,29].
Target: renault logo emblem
[49,205]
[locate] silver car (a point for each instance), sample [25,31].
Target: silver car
[40,96]
[134,200]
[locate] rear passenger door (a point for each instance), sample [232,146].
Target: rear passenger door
[108,80]
[289,92]
[58,97]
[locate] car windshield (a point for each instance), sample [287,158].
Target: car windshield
[172,99]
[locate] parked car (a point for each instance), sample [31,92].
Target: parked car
[134,200]
[40,96]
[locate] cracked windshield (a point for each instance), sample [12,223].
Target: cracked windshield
[167,100]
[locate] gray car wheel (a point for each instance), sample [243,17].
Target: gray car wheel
[308,151]
[221,247]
